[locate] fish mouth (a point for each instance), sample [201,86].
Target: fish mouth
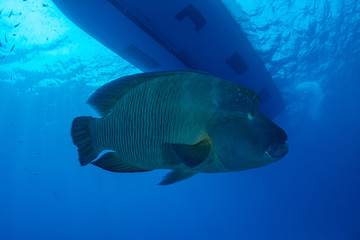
[277,151]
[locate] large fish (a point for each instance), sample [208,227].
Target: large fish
[187,121]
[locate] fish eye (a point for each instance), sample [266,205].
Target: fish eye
[251,115]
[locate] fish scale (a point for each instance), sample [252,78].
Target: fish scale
[147,117]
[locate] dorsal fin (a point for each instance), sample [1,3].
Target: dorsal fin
[105,97]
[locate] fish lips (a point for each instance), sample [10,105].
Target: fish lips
[277,151]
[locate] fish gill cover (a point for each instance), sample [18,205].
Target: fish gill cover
[49,67]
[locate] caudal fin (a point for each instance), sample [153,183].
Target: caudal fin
[80,133]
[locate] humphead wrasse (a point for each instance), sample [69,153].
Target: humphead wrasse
[187,121]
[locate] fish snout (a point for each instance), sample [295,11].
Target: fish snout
[277,151]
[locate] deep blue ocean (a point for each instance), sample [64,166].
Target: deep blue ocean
[48,69]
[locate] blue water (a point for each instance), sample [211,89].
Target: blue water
[312,51]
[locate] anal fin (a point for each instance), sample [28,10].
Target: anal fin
[111,162]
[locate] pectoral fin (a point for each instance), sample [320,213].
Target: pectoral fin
[176,176]
[192,155]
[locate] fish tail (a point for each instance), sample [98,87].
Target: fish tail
[80,133]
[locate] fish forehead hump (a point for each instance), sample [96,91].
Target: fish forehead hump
[226,96]
[233,97]
[202,85]
[203,90]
